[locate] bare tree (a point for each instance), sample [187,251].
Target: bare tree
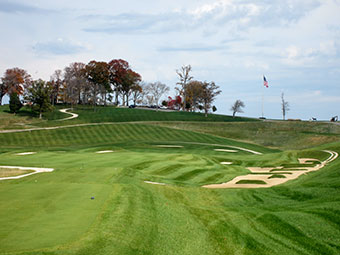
[137,93]
[56,83]
[184,78]
[237,107]
[285,106]
[209,92]
[156,90]
[75,82]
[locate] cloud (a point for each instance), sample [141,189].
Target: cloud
[16,8]
[58,47]
[192,48]
[301,56]
[237,15]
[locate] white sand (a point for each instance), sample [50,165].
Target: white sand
[169,146]
[225,150]
[269,182]
[226,163]
[35,169]
[100,152]
[25,153]
[157,183]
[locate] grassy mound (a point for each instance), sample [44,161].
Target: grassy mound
[251,182]
[276,176]
[114,114]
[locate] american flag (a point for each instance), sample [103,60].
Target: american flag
[265,83]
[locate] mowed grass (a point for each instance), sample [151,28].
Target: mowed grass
[53,213]
[115,114]
[283,135]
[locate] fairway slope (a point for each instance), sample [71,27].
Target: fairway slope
[136,188]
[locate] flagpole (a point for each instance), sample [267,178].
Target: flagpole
[262,97]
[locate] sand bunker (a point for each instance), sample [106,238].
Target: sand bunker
[169,146]
[226,163]
[157,183]
[269,175]
[25,153]
[100,152]
[225,150]
[35,169]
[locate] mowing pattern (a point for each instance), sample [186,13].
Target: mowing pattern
[112,114]
[109,134]
[99,203]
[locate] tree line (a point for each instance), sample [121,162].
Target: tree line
[99,83]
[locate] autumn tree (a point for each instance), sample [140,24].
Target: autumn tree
[98,74]
[194,90]
[237,107]
[129,80]
[284,106]
[209,92]
[15,80]
[118,69]
[156,90]
[184,78]
[38,96]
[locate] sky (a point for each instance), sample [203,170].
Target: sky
[294,43]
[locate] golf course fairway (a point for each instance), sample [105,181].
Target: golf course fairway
[136,188]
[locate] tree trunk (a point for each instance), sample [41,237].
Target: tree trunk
[40,115]
[116,95]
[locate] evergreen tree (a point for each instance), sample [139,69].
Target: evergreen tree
[39,97]
[14,103]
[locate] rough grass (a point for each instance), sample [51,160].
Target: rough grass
[251,182]
[23,119]
[276,176]
[274,134]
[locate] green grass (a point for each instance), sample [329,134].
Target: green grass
[276,176]
[53,213]
[251,182]
[274,134]
[113,114]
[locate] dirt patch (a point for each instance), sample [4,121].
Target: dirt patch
[32,170]
[8,172]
